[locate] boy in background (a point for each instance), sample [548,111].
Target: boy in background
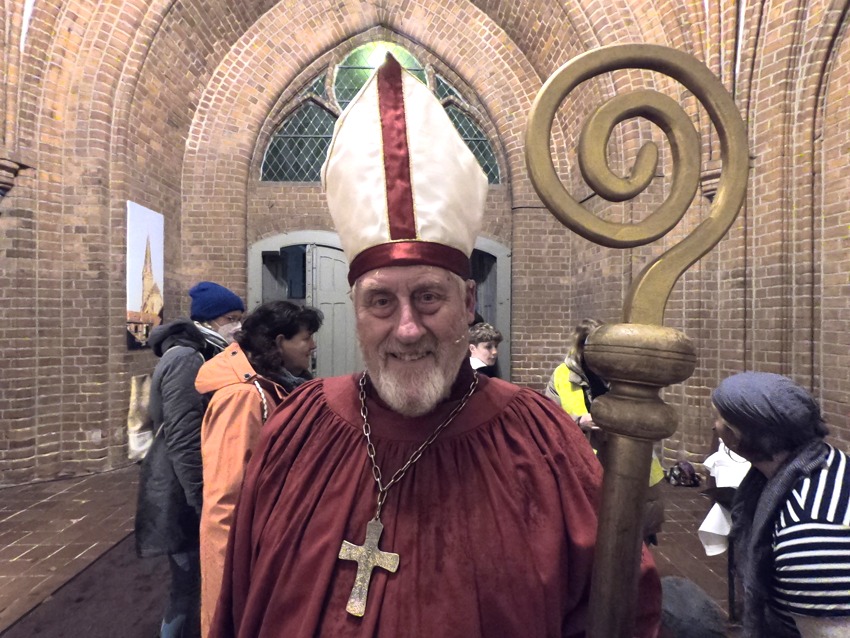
[484,342]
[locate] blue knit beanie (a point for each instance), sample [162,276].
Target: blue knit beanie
[762,401]
[210,300]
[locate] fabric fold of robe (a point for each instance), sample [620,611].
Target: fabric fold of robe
[495,525]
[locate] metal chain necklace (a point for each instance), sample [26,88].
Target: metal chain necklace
[368,556]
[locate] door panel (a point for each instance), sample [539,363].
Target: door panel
[337,351]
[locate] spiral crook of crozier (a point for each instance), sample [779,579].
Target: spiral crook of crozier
[684,144]
[650,290]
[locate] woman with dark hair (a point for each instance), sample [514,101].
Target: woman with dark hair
[271,357]
[791,515]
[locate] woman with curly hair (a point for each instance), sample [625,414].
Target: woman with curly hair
[270,358]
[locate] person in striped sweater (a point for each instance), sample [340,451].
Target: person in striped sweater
[791,515]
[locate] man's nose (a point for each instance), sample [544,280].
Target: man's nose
[410,328]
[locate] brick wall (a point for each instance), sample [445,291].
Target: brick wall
[171,106]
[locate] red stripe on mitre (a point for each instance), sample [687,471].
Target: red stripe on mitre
[409,253]
[401,221]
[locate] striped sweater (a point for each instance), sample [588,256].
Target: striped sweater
[811,544]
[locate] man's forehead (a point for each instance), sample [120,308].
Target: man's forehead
[404,277]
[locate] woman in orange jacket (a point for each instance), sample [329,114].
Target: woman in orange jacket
[270,358]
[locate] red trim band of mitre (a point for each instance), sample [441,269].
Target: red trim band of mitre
[400,210]
[410,253]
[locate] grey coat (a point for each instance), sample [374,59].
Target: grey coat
[171,478]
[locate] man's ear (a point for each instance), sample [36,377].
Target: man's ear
[470,301]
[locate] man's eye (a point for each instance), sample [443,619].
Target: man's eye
[428,302]
[380,303]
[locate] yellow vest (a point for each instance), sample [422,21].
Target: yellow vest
[571,394]
[572,400]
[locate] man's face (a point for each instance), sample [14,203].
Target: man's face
[485,351]
[412,326]
[227,325]
[297,351]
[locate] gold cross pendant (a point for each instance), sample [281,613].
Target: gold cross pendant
[368,556]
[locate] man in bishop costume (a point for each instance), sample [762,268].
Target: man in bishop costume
[416,498]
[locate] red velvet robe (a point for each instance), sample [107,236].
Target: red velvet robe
[494,526]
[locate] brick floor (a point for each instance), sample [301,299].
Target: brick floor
[680,553]
[51,531]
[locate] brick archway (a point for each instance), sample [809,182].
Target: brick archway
[224,134]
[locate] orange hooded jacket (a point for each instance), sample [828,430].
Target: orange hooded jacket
[229,432]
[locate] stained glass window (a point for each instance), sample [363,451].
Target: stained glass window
[355,69]
[316,87]
[297,150]
[444,89]
[476,141]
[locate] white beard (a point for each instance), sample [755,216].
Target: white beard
[418,390]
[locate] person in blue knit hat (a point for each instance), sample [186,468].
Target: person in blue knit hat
[216,308]
[171,481]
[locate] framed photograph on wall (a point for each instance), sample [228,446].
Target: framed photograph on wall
[145,272]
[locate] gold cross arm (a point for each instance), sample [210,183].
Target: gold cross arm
[367,556]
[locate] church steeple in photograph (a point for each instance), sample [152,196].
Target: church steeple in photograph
[151,295]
